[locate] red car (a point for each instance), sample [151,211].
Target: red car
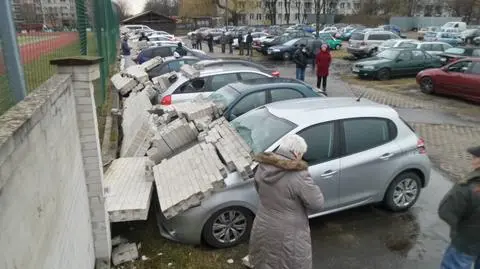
[460,78]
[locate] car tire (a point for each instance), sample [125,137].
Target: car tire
[244,220]
[383,74]
[286,56]
[396,198]
[426,85]
[337,47]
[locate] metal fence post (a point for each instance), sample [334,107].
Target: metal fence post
[11,54]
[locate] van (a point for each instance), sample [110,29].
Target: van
[365,43]
[461,26]
[134,28]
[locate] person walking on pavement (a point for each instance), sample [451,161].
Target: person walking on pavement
[193,40]
[301,61]
[240,43]
[143,37]
[181,50]
[230,43]
[460,209]
[280,236]
[249,43]
[210,42]
[125,48]
[323,59]
[223,41]
[199,41]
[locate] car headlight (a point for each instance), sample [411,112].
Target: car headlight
[369,67]
[276,50]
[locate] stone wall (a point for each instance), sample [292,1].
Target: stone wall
[49,165]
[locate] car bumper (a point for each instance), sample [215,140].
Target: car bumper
[364,73]
[357,51]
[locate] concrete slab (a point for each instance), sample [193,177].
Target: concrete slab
[129,189]
[137,72]
[124,253]
[123,84]
[193,111]
[152,63]
[180,189]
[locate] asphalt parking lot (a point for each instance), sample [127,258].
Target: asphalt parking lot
[366,237]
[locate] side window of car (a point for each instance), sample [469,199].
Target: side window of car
[405,55]
[446,46]
[320,141]
[374,37]
[285,94]
[175,65]
[476,53]
[475,68]
[248,103]
[418,55]
[436,47]
[218,81]
[367,133]
[162,52]
[407,45]
[192,86]
[245,76]
[460,67]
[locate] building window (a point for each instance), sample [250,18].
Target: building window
[356,6]
[259,4]
[308,5]
[297,16]
[268,17]
[252,16]
[287,16]
[348,5]
[342,5]
[259,17]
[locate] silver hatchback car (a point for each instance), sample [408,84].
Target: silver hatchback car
[359,152]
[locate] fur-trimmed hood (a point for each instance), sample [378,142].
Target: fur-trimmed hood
[275,166]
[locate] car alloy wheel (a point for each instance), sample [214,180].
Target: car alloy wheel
[286,56]
[383,74]
[403,192]
[228,227]
[337,47]
[426,85]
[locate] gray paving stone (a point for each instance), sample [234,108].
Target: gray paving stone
[123,84]
[136,72]
[152,63]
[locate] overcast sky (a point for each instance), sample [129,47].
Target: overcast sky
[136,6]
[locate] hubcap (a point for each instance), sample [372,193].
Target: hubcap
[229,226]
[405,192]
[427,84]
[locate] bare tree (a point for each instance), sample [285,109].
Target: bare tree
[271,6]
[28,14]
[298,7]
[164,7]
[287,4]
[123,10]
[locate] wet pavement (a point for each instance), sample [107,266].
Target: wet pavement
[371,237]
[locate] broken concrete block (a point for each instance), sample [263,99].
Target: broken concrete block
[152,63]
[123,84]
[179,133]
[190,72]
[117,240]
[205,174]
[129,191]
[160,149]
[124,253]
[202,123]
[163,81]
[138,88]
[149,164]
[137,72]
[192,111]
[150,92]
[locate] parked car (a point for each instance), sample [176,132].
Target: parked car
[187,87]
[276,41]
[455,24]
[330,30]
[234,62]
[469,35]
[257,44]
[392,28]
[366,43]
[171,64]
[429,36]
[286,50]
[424,30]
[434,48]
[450,38]
[476,41]
[333,43]
[395,62]
[238,98]
[379,159]
[453,54]
[397,43]
[256,36]
[165,51]
[134,27]
[345,36]
[460,78]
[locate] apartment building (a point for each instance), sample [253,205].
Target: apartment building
[53,13]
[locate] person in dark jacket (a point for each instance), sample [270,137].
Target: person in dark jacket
[193,40]
[323,59]
[143,37]
[223,42]
[460,209]
[230,43]
[210,42]
[249,44]
[301,61]
[199,41]
[240,44]
[125,47]
[280,236]
[181,50]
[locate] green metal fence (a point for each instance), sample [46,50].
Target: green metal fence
[39,34]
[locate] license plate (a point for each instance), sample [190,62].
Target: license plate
[355,70]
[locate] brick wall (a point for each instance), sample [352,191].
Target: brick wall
[44,206]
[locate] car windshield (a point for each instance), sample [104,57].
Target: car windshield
[224,96]
[260,129]
[290,42]
[357,36]
[455,51]
[389,43]
[388,54]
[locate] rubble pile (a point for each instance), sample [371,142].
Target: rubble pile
[186,148]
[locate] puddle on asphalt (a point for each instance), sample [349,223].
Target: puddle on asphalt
[371,237]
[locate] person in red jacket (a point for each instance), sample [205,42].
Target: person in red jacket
[323,60]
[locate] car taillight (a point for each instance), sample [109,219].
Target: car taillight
[421,146]
[167,100]
[276,74]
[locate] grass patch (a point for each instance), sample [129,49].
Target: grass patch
[392,85]
[161,252]
[29,39]
[339,54]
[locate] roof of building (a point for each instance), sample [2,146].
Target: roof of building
[145,13]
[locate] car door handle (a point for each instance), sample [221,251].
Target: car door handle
[328,173]
[386,156]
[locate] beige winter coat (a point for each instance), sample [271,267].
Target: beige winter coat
[280,237]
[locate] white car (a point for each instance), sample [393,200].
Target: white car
[398,43]
[134,28]
[434,48]
[256,37]
[161,33]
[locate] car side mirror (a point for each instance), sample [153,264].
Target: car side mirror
[444,69]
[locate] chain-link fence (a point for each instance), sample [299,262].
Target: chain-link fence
[57,28]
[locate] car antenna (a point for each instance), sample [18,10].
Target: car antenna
[361,95]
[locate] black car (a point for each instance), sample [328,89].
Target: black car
[165,51]
[282,39]
[235,62]
[171,64]
[286,50]
[240,97]
[469,35]
[453,54]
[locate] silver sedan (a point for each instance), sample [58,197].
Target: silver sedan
[359,152]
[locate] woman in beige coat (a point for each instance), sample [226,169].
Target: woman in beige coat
[280,237]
